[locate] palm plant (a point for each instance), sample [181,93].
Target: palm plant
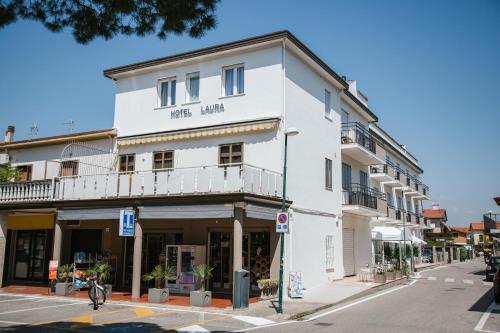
[102,271]
[65,273]
[202,273]
[160,274]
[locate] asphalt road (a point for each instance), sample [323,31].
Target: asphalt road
[452,298]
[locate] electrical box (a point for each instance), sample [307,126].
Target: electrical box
[184,259]
[4,158]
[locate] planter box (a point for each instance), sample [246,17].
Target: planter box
[200,298]
[64,288]
[109,290]
[397,274]
[390,275]
[156,295]
[379,278]
[268,292]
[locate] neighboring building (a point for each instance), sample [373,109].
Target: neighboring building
[480,240]
[461,236]
[197,152]
[437,219]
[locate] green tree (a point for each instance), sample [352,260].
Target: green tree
[8,173]
[89,19]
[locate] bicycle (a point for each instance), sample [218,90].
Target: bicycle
[97,293]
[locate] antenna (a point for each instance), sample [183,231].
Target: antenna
[34,130]
[70,124]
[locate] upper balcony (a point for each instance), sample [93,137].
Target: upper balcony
[206,180]
[364,200]
[358,143]
[491,221]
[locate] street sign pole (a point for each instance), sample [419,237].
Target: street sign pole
[282,236]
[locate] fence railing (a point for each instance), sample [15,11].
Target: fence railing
[355,132]
[358,194]
[165,182]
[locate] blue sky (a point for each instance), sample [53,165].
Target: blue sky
[431,70]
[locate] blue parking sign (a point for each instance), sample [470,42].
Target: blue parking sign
[127,222]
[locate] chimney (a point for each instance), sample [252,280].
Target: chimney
[435,206]
[9,134]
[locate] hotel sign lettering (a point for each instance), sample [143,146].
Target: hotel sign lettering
[204,110]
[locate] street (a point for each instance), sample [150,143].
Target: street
[451,298]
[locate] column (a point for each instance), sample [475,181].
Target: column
[434,255]
[56,249]
[237,241]
[3,241]
[136,265]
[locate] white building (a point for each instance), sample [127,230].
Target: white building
[197,151]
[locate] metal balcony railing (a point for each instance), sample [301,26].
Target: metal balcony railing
[165,182]
[355,132]
[398,214]
[358,194]
[491,220]
[388,168]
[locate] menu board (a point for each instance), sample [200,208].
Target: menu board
[296,285]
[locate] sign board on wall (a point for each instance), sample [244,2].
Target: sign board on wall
[127,222]
[282,222]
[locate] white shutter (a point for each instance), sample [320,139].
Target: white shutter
[348,247]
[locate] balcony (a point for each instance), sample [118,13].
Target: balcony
[422,190]
[411,218]
[364,200]
[358,143]
[151,183]
[491,221]
[384,173]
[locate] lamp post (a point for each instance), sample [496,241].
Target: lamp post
[291,131]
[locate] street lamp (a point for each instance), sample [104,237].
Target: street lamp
[291,131]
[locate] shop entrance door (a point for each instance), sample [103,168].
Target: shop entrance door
[30,256]
[221,259]
[153,249]
[257,257]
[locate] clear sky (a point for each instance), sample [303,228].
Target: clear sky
[431,71]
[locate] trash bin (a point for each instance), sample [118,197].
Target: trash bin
[241,289]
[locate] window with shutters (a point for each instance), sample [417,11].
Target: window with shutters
[329,253]
[69,168]
[230,154]
[163,160]
[127,163]
[24,173]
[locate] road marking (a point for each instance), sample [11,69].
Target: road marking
[449,280]
[468,282]
[89,319]
[432,278]
[143,312]
[484,318]
[12,322]
[43,323]
[193,328]
[193,324]
[40,308]
[17,299]
[488,284]
[256,321]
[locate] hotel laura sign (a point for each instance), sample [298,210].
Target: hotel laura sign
[204,110]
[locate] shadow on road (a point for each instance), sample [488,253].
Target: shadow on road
[480,272]
[482,304]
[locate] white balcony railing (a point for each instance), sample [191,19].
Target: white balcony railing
[165,182]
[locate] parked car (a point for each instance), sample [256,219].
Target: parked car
[496,286]
[492,267]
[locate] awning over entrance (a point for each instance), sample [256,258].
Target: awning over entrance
[262,213]
[89,214]
[391,234]
[30,221]
[417,240]
[186,212]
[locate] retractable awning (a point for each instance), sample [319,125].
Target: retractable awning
[391,234]
[89,214]
[186,212]
[417,240]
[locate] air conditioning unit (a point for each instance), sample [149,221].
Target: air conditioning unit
[4,158]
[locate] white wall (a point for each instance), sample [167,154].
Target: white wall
[136,105]
[363,250]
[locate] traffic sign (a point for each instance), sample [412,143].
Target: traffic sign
[282,222]
[127,222]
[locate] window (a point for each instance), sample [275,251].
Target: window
[329,252]
[193,87]
[328,103]
[69,168]
[390,201]
[346,176]
[166,92]
[345,117]
[127,163]
[328,174]
[480,238]
[163,160]
[231,154]
[363,179]
[24,173]
[233,78]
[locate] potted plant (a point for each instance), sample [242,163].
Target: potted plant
[268,287]
[159,274]
[379,276]
[102,272]
[201,297]
[64,285]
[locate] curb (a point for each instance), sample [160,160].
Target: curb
[300,315]
[420,269]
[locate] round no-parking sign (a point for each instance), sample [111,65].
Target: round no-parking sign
[282,222]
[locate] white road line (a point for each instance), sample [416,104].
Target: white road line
[193,328]
[449,280]
[487,283]
[484,318]
[256,321]
[39,308]
[432,278]
[468,282]
[17,299]
[12,322]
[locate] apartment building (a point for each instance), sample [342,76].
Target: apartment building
[197,153]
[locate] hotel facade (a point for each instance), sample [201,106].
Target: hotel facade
[197,152]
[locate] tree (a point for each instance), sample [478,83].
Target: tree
[107,18]
[8,173]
